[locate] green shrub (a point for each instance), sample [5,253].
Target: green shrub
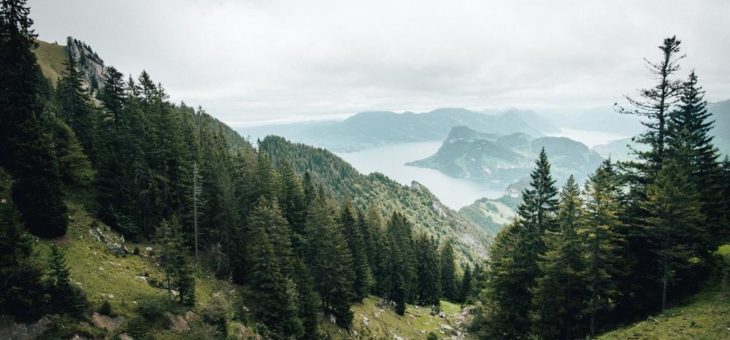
[106,309]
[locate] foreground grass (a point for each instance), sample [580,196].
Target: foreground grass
[121,280]
[705,316]
[372,321]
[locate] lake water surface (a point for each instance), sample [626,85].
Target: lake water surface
[390,160]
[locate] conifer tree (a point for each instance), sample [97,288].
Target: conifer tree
[330,261]
[690,144]
[654,105]
[560,291]
[274,297]
[75,167]
[448,273]
[602,243]
[174,262]
[400,231]
[465,290]
[25,150]
[514,255]
[293,201]
[429,279]
[351,229]
[64,297]
[673,223]
[75,104]
[21,288]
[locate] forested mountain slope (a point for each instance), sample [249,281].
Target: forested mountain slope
[342,181]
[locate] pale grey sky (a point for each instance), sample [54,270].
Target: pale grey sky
[284,60]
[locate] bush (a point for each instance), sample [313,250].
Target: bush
[106,309]
[432,336]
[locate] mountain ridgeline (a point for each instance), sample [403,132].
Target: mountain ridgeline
[378,128]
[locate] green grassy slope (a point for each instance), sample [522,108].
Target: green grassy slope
[705,316]
[121,280]
[372,321]
[51,57]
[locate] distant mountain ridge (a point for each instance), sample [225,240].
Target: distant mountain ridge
[378,128]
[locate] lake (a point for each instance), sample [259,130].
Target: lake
[390,160]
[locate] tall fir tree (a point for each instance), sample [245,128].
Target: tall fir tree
[654,105]
[602,243]
[674,223]
[275,294]
[513,267]
[330,261]
[174,261]
[25,149]
[560,291]
[363,276]
[76,107]
[448,272]
[690,144]
[427,260]
[64,297]
[21,289]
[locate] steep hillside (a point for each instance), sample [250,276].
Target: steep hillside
[416,202]
[506,159]
[491,214]
[377,128]
[705,315]
[51,58]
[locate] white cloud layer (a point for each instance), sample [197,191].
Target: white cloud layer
[282,60]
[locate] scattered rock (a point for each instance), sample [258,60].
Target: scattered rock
[125,336]
[11,330]
[190,316]
[106,322]
[177,322]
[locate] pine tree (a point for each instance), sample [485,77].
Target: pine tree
[64,297]
[21,288]
[514,256]
[25,150]
[309,304]
[674,223]
[560,291]
[655,105]
[429,290]
[363,277]
[293,201]
[75,104]
[465,290]
[75,167]
[690,144]
[448,273]
[274,295]
[330,262]
[174,262]
[400,231]
[602,244]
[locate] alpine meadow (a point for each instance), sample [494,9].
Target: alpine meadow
[325,195]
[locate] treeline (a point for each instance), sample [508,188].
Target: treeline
[637,237]
[171,174]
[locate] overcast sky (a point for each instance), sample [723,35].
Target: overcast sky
[268,60]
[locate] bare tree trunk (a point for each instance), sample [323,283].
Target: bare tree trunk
[665,278]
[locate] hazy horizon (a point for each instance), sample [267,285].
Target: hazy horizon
[280,61]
